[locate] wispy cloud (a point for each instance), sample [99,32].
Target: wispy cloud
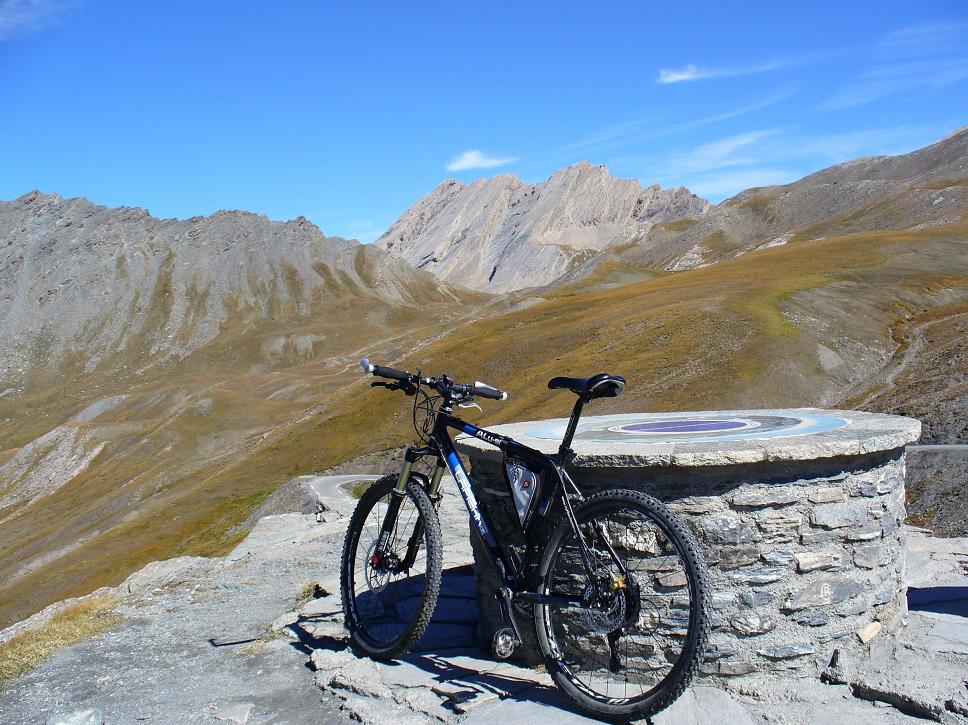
[20,17]
[718,154]
[723,167]
[920,57]
[474,159]
[939,35]
[640,130]
[891,79]
[696,73]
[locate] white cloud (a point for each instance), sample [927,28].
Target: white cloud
[694,73]
[19,17]
[689,73]
[474,159]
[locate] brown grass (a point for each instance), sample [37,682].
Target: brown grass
[175,479]
[679,225]
[81,621]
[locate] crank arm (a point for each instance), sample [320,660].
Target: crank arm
[504,597]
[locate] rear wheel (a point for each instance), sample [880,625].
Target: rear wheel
[389,592]
[639,641]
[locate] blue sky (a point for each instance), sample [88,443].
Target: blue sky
[347,113]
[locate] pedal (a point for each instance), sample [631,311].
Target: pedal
[503,643]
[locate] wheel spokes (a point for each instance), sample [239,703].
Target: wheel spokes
[388,597]
[611,651]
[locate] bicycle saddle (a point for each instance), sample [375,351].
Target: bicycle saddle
[602,385]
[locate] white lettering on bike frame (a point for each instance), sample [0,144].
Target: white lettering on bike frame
[467,493]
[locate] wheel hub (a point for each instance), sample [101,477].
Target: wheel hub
[606,612]
[380,567]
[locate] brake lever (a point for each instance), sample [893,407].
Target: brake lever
[470,404]
[406,387]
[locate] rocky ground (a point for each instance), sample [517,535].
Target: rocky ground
[937,488]
[255,637]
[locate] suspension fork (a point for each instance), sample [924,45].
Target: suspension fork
[433,490]
[396,500]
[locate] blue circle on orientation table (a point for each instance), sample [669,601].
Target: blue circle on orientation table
[684,426]
[692,427]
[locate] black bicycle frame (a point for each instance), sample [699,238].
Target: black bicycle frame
[502,557]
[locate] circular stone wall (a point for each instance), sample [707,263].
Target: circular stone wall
[798,512]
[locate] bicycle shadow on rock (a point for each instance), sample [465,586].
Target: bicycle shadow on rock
[448,661]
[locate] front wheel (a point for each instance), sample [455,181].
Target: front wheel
[637,639]
[390,583]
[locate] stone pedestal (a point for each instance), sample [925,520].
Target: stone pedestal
[798,513]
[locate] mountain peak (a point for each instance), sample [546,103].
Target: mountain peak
[500,234]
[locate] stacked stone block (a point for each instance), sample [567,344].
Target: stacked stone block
[805,558]
[802,569]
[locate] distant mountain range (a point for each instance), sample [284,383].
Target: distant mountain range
[161,378]
[499,234]
[83,282]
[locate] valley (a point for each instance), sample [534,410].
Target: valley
[159,379]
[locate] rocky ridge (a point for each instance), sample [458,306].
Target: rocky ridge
[85,281]
[501,234]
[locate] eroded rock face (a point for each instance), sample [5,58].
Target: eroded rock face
[79,280]
[501,234]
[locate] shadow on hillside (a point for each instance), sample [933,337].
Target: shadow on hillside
[941,600]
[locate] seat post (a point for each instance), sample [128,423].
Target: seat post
[565,448]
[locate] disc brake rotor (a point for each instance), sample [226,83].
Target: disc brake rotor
[607,619]
[376,578]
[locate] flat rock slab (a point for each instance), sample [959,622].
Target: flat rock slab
[465,684]
[230,640]
[711,438]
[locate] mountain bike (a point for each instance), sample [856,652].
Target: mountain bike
[614,581]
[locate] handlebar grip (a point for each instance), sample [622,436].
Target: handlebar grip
[383,372]
[488,391]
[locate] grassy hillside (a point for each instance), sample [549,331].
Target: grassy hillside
[721,336]
[137,457]
[111,468]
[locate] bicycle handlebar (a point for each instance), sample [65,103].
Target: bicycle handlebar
[487,391]
[383,372]
[443,383]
